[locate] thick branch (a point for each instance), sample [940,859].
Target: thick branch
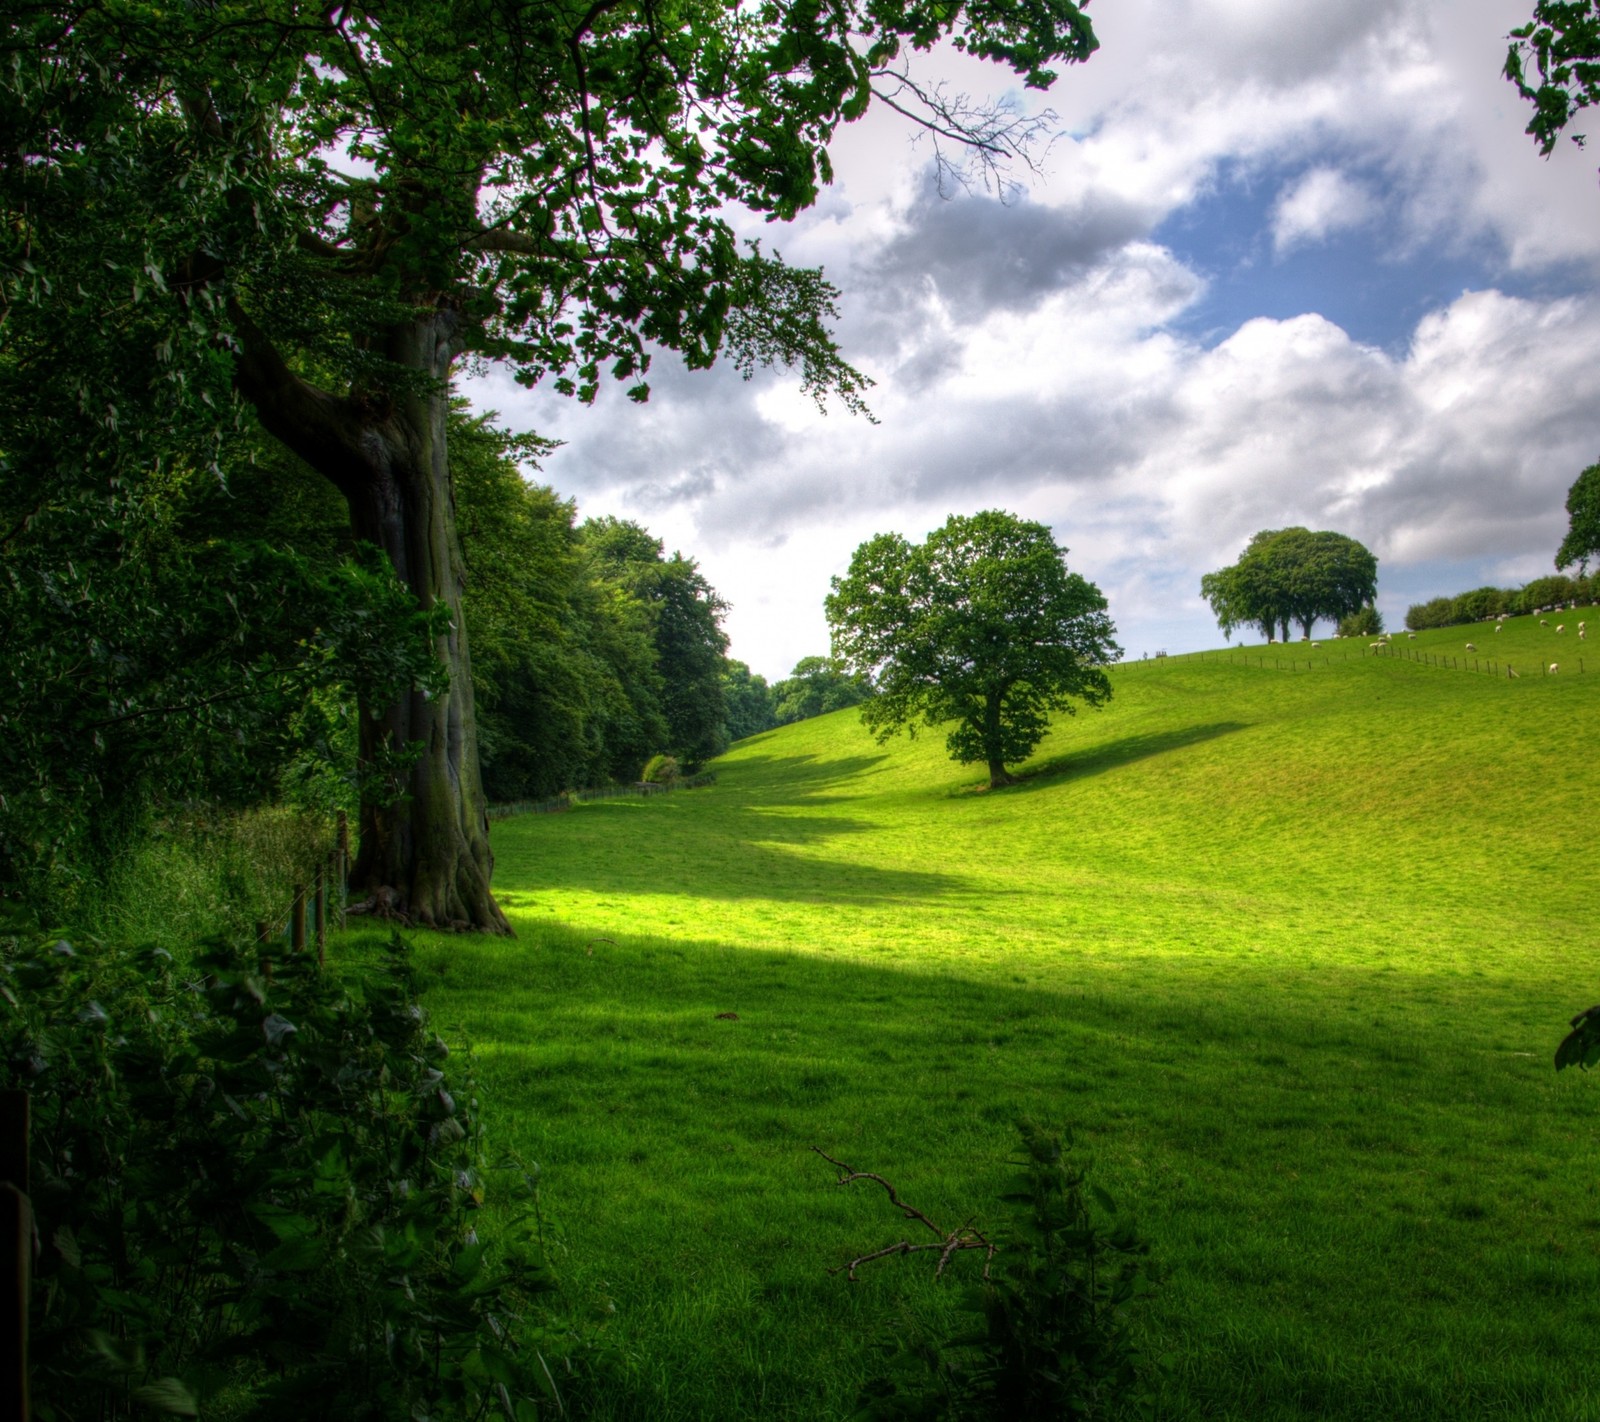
[315,425]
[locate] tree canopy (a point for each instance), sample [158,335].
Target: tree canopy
[1583,522]
[816,686]
[321,211]
[981,624]
[1292,575]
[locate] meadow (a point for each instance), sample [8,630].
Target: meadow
[1289,950]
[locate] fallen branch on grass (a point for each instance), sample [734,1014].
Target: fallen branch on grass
[951,1242]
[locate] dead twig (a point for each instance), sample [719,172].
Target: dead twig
[950,1242]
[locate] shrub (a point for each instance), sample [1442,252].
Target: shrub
[1045,1332]
[262,1197]
[1366,622]
[660,770]
[1548,592]
[1480,604]
[1436,612]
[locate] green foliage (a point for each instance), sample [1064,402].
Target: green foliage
[1365,622]
[1483,603]
[146,667]
[685,620]
[982,625]
[1563,40]
[1583,522]
[1046,1333]
[1292,575]
[816,686]
[660,770]
[563,659]
[264,1196]
[1480,604]
[1436,612]
[750,701]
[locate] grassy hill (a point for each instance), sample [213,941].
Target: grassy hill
[1288,947]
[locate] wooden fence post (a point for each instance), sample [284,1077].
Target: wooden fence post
[320,915]
[342,849]
[16,1256]
[297,920]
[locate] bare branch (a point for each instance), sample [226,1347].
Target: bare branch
[950,1243]
[992,132]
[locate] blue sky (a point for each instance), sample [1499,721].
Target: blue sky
[1288,264]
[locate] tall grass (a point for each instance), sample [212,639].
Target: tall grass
[207,872]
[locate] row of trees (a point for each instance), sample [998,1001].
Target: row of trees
[1483,604]
[1292,575]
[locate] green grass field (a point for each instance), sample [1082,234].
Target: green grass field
[1290,950]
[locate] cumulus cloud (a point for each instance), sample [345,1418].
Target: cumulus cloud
[1033,355]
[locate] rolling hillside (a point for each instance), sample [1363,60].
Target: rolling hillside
[1289,948]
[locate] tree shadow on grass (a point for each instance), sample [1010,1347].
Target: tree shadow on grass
[740,841]
[1078,765]
[800,779]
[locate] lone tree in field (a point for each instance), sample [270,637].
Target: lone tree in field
[1583,529]
[982,625]
[335,205]
[1292,575]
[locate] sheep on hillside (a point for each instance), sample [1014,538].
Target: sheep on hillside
[1544,621]
[1561,627]
[1554,668]
[1498,628]
[1471,648]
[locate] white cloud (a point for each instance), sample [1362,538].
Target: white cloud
[1033,357]
[1322,202]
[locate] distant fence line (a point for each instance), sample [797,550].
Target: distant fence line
[1483,665]
[639,790]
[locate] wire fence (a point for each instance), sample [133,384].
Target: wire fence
[639,790]
[1275,661]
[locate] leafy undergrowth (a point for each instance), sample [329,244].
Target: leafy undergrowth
[261,1197]
[1289,950]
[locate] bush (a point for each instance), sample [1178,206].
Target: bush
[1045,1333]
[263,1197]
[1436,612]
[1548,592]
[1480,604]
[1366,622]
[660,770]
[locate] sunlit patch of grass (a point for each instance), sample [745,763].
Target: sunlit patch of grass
[1289,949]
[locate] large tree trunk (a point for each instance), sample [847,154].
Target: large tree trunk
[425,857]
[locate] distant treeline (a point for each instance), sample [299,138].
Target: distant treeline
[1482,604]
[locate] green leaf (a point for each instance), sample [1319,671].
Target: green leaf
[167,1395]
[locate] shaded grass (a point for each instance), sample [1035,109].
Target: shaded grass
[1290,951]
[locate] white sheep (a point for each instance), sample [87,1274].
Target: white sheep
[1561,627]
[1582,625]
[1498,627]
[1411,636]
[1471,648]
[1582,635]
[1554,668]
[1544,621]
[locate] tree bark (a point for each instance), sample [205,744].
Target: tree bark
[998,774]
[425,857]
